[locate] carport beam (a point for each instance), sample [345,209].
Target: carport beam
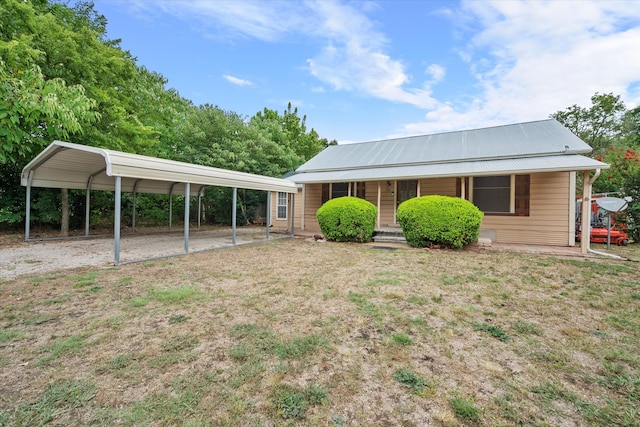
[116,221]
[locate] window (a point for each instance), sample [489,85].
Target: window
[282,205]
[341,189]
[507,194]
[407,190]
[492,193]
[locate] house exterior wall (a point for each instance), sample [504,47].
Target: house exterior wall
[284,224]
[548,223]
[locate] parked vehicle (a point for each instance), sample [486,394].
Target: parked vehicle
[599,232]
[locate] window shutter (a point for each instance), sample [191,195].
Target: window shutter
[522,195]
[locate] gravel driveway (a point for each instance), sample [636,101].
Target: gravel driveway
[22,258]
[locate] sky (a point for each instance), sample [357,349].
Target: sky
[371,70]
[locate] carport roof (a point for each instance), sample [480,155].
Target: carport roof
[74,166]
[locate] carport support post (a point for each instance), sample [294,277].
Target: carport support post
[187,197]
[233,215]
[27,219]
[116,221]
[268,213]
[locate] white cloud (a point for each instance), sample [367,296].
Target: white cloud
[352,57]
[534,58]
[236,80]
[526,59]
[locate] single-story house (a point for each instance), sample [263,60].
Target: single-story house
[522,176]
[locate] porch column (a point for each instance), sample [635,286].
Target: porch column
[378,219]
[418,188]
[304,198]
[585,223]
[463,188]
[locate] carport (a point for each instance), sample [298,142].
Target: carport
[80,167]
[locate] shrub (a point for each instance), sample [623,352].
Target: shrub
[449,221]
[347,219]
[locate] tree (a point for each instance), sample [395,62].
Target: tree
[614,134]
[598,125]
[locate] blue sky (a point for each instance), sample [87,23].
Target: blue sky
[368,70]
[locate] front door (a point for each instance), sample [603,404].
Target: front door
[405,190]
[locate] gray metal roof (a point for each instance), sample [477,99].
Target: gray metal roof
[67,165]
[541,138]
[572,162]
[540,146]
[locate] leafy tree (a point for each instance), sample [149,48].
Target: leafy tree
[34,111]
[597,125]
[614,134]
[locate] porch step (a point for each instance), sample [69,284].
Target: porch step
[389,234]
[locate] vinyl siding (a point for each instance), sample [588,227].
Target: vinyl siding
[548,220]
[547,223]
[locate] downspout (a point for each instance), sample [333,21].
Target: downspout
[586,218]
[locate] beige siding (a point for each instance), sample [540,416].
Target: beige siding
[547,223]
[286,223]
[439,186]
[548,220]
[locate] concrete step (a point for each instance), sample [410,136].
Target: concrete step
[389,238]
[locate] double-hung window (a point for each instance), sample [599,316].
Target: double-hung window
[282,205]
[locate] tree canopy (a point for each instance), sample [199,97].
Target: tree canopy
[62,78]
[614,134]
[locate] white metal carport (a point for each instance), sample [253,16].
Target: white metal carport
[75,166]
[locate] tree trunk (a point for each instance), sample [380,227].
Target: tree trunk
[64,221]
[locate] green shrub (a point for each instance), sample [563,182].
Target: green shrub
[449,221]
[347,219]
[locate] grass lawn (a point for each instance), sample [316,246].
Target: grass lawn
[300,333]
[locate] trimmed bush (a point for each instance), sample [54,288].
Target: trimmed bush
[347,219]
[448,221]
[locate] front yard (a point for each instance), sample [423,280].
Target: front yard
[301,333]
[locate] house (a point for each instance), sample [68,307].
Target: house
[522,176]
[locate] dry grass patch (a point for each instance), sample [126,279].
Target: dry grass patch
[301,333]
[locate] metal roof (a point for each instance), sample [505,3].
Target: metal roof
[68,165]
[542,146]
[540,138]
[573,162]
